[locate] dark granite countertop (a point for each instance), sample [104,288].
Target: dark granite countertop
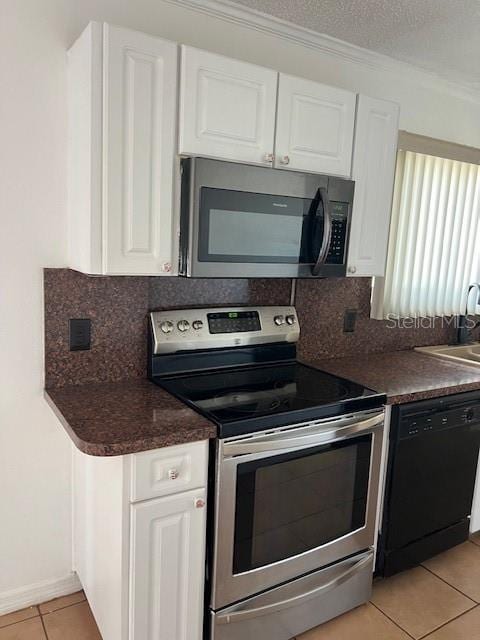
[117,418]
[404,375]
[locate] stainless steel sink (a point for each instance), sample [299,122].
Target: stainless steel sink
[462,353]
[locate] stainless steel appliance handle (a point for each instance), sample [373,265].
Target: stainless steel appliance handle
[315,435]
[255,612]
[327,231]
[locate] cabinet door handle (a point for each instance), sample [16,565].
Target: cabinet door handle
[352,269]
[199,503]
[285,160]
[268,157]
[173,474]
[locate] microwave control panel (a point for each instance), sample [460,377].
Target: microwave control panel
[339,212]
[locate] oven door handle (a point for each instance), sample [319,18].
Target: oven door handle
[285,440]
[229,617]
[327,231]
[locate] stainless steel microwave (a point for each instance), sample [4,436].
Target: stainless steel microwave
[241,221]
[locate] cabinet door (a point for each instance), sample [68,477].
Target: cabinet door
[227,108]
[167,567]
[314,127]
[373,171]
[140,88]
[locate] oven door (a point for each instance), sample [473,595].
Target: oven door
[254,222]
[293,500]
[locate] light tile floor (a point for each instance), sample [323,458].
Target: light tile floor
[437,601]
[67,618]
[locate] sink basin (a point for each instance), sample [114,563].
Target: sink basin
[462,353]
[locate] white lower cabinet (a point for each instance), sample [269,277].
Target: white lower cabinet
[167,567]
[141,560]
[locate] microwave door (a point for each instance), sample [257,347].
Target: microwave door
[320,230]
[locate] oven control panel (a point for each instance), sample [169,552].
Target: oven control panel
[216,328]
[233,321]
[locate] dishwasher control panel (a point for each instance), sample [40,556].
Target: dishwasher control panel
[445,415]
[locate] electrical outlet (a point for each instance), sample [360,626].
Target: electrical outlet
[80,334]
[349,319]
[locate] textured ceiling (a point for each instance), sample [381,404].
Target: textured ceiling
[442,36]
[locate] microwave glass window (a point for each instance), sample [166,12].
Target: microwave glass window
[243,227]
[292,503]
[239,233]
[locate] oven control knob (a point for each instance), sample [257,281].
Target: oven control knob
[197,324]
[183,325]
[279,320]
[290,319]
[166,326]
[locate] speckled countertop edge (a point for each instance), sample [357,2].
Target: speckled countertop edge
[110,419]
[119,418]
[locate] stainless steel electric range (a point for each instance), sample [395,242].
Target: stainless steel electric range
[295,470]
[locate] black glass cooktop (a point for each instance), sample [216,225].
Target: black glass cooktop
[250,398]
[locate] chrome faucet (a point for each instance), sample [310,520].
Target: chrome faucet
[464,332]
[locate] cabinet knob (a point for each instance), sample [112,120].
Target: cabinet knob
[285,160]
[199,503]
[352,269]
[166,267]
[268,157]
[173,474]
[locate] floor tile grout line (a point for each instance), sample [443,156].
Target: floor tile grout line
[393,621]
[464,613]
[10,624]
[44,627]
[47,613]
[475,603]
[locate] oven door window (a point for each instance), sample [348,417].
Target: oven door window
[237,226]
[293,503]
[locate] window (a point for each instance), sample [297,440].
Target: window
[434,246]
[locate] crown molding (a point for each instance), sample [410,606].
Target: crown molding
[251,18]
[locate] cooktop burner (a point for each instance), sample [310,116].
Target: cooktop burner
[257,392]
[237,366]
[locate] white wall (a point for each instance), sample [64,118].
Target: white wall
[34,452]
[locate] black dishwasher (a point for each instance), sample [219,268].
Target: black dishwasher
[432,464]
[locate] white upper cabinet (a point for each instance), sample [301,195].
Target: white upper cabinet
[227,108]
[373,170]
[123,110]
[314,127]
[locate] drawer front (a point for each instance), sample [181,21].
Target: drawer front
[167,471]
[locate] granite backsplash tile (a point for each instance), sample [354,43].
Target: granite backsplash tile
[166,293]
[118,307]
[321,305]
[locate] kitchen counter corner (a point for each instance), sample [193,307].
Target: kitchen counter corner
[118,418]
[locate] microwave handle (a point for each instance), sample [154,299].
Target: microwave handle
[327,231]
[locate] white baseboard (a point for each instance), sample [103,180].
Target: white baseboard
[37,593]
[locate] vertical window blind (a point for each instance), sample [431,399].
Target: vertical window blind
[434,246]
